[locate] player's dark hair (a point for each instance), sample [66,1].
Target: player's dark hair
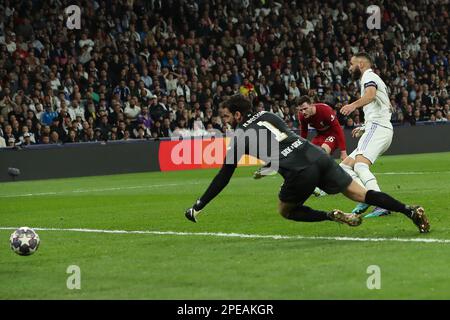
[239,103]
[365,56]
[301,100]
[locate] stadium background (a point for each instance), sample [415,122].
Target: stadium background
[167,154]
[146,69]
[158,69]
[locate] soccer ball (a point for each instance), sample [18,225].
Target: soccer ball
[24,241]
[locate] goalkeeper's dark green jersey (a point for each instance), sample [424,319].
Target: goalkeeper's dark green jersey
[266,136]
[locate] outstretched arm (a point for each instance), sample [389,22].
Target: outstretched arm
[220,180]
[217,184]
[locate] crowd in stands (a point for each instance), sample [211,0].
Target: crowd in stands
[160,68]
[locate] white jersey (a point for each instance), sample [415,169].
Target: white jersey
[379,110]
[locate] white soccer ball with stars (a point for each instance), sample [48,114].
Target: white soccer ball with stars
[24,241]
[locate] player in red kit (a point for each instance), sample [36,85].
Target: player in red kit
[321,117]
[330,135]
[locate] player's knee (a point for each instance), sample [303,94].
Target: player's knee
[284,210]
[362,159]
[350,162]
[284,213]
[355,192]
[359,196]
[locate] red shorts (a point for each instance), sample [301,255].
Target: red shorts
[329,140]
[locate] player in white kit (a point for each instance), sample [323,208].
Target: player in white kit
[376,133]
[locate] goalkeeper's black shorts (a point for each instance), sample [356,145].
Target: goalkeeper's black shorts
[325,173]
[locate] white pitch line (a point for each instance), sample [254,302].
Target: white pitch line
[411,173]
[242,235]
[95,190]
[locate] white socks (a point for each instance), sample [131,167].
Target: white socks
[352,173]
[367,178]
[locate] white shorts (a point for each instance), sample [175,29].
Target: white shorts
[374,142]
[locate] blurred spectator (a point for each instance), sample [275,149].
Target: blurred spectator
[45,139]
[27,134]
[440,117]
[54,138]
[27,140]
[71,136]
[246,88]
[349,124]
[294,90]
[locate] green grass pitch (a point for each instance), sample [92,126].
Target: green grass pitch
[209,266]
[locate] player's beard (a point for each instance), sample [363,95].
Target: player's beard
[356,73]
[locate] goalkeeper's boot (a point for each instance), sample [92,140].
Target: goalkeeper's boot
[420,219]
[360,208]
[191,214]
[378,212]
[350,219]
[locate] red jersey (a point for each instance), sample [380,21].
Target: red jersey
[325,122]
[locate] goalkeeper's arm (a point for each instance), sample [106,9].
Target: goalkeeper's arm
[217,184]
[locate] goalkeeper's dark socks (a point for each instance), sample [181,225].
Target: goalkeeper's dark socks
[385,201]
[199,205]
[307,214]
